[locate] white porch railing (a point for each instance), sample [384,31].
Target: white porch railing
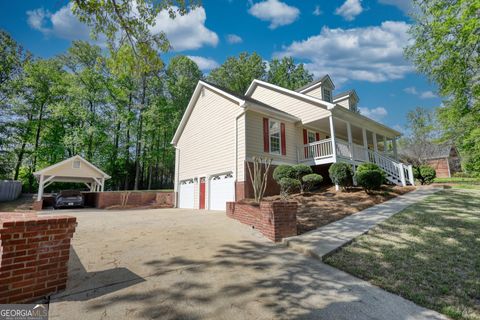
[396,172]
[316,150]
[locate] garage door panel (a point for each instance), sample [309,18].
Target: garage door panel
[222,190]
[186,195]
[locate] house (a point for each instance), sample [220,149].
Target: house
[444,159]
[221,131]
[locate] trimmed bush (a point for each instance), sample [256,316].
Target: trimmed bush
[288,186]
[301,170]
[283,171]
[424,173]
[341,173]
[368,166]
[369,179]
[311,180]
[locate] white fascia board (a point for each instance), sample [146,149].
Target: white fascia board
[295,94]
[193,101]
[76,157]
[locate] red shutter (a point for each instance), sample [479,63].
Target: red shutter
[317,136]
[266,138]
[305,141]
[284,143]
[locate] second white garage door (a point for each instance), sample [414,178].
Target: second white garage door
[222,189]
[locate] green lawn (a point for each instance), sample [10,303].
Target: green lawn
[458,180]
[429,253]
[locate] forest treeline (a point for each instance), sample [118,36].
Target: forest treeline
[107,106]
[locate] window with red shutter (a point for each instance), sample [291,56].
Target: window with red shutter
[283,141]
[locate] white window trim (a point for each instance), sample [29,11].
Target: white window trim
[279,152]
[79,164]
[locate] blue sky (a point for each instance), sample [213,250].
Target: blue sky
[358,42]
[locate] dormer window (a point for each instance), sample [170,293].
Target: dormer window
[327,95]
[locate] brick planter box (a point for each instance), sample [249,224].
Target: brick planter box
[275,220]
[34,253]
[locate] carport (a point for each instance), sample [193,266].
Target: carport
[74,169]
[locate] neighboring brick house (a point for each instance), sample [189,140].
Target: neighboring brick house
[221,131]
[445,160]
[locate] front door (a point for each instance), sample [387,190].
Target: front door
[202,193]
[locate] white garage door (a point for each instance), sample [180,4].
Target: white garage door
[222,189]
[185,194]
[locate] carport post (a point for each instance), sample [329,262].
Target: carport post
[40,188]
[103,184]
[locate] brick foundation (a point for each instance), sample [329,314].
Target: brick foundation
[34,253]
[440,166]
[275,220]
[37,205]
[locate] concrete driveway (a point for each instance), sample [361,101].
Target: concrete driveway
[187,264]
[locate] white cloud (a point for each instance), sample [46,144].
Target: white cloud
[422,95]
[278,13]
[185,32]
[61,24]
[204,63]
[350,9]
[405,5]
[372,54]
[411,90]
[233,38]
[374,113]
[427,95]
[317,11]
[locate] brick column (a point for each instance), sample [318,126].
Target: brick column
[34,253]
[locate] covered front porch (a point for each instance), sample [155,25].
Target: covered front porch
[355,140]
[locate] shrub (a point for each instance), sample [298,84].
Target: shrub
[368,166]
[462,175]
[283,171]
[301,170]
[340,173]
[369,179]
[310,180]
[425,174]
[288,186]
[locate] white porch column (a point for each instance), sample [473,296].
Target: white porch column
[103,184]
[350,140]
[365,143]
[332,134]
[375,146]
[384,145]
[395,152]
[40,188]
[334,145]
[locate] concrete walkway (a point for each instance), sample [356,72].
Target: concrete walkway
[322,241]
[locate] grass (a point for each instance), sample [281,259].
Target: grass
[22,203]
[429,253]
[458,180]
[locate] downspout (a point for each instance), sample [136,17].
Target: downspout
[236,146]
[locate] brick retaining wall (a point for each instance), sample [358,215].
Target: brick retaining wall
[34,253]
[275,220]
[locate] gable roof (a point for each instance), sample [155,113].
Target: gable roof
[51,169]
[292,93]
[242,101]
[344,94]
[316,83]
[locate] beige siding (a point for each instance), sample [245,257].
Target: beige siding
[302,109]
[254,139]
[207,143]
[317,92]
[344,103]
[66,169]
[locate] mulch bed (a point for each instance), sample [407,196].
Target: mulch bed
[326,205]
